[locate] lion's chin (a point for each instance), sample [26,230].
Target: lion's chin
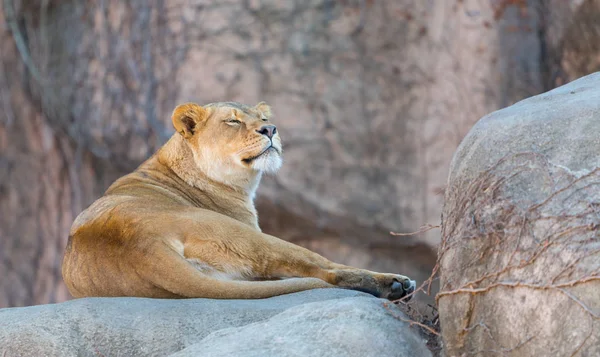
[269,162]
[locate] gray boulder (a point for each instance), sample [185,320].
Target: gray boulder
[326,322]
[520,253]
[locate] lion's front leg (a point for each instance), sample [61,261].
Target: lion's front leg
[389,286]
[236,251]
[310,264]
[281,259]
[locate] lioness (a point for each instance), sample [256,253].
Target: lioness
[183,225]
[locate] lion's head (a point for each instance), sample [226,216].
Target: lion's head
[230,140]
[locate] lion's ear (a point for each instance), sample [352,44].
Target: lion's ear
[264,109]
[186,118]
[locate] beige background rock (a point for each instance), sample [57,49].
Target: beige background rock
[371,98]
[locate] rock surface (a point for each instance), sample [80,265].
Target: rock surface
[520,257]
[327,322]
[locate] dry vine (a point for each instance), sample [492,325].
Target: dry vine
[523,224]
[514,234]
[425,318]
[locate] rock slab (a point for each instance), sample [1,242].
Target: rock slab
[520,253]
[325,322]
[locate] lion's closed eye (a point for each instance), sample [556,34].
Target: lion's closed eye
[232,121]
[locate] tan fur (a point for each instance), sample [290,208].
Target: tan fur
[184,224]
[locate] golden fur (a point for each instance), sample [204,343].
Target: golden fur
[184,224]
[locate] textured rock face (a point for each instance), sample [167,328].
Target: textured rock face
[371,98]
[520,256]
[329,322]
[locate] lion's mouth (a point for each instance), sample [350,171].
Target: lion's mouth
[250,159]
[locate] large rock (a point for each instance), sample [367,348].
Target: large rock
[520,256]
[327,322]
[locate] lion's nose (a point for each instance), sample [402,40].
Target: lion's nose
[268,130]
